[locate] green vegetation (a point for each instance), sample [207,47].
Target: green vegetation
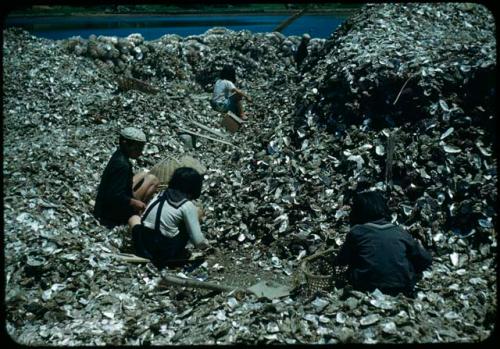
[189,8]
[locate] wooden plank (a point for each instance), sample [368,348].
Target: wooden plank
[206,128]
[231,122]
[204,136]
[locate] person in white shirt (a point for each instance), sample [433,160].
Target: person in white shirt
[170,220]
[226,96]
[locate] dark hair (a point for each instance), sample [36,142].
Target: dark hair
[228,73]
[188,181]
[368,206]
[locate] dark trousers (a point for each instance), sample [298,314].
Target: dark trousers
[153,245]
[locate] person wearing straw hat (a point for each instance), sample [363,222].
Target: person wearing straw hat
[122,194]
[380,254]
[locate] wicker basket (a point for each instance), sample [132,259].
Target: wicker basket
[319,272]
[166,168]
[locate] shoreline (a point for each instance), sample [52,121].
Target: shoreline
[338,12]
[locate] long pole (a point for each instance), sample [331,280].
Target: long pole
[172,280]
[289,21]
[183,130]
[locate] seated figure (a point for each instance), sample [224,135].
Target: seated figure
[380,254]
[170,220]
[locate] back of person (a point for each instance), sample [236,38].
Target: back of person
[170,220]
[383,259]
[222,90]
[120,193]
[114,191]
[226,96]
[380,254]
[301,52]
[172,217]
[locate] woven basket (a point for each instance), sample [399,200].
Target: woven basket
[319,272]
[166,168]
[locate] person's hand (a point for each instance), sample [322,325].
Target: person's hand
[210,250]
[133,221]
[249,99]
[201,214]
[203,245]
[137,205]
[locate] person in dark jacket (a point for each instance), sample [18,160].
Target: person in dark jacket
[301,53]
[380,254]
[121,194]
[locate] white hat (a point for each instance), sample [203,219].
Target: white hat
[134,134]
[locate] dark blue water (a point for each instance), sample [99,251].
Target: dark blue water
[153,27]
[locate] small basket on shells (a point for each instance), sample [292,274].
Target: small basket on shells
[166,168]
[319,272]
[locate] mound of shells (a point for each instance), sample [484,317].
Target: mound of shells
[392,63]
[280,192]
[197,57]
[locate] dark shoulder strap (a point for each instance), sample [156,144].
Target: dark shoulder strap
[149,210]
[158,214]
[159,200]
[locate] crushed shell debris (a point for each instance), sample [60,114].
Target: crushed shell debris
[418,74]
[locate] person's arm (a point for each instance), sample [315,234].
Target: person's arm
[242,94]
[190,216]
[419,257]
[234,90]
[346,252]
[119,188]
[201,214]
[137,205]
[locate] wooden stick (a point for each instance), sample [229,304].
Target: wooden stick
[204,136]
[235,117]
[207,128]
[400,91]
[172,280]
[389,160]
[130,258]
[289,21]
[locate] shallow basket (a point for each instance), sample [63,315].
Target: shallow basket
[166,168]
[319,272]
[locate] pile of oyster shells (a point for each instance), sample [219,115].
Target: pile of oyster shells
[280,192]
[195,57]
[379,69]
